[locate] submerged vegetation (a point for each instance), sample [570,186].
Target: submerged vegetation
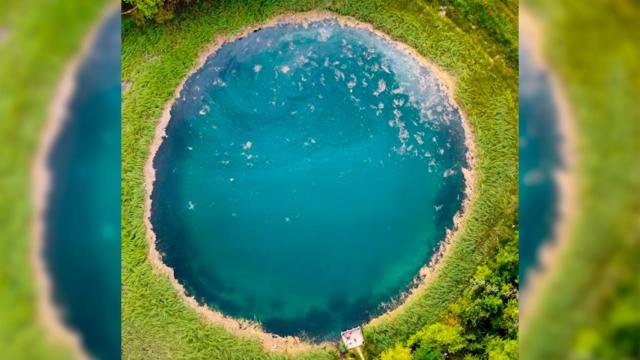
[155,321]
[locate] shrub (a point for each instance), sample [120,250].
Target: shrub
[156,10]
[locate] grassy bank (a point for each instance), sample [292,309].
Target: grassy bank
[156,324]
[39,38]
[589,306]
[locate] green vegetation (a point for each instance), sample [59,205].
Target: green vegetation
[155,322]
[39,39]
[156,10]
[592,295]
[492,23]
[482,324]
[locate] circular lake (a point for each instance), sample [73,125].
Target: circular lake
[307,173]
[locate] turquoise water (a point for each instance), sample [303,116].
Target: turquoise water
[82,220]
[306,176]
[539,143]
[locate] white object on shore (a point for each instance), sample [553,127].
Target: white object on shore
[352,338]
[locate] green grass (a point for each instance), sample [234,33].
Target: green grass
[591,304]
[155,322]
[494,24]
[42,37]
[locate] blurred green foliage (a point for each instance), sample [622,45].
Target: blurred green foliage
[40,37]
[588,308]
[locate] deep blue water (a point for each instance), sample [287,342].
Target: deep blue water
[540,141]
[82,235]
[306,176]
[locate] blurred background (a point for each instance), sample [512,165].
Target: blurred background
[60,177]
[579,180]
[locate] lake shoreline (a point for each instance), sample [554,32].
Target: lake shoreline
[292,344]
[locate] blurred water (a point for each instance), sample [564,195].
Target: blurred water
[539,158]
[306,176]
[82,236]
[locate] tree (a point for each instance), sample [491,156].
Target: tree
[442,337]
[156,10]
[502,349]
[398,352]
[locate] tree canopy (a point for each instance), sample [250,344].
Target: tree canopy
[483,324]
[156,10]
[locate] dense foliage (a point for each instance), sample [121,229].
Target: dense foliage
[156,10]
[482,324]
